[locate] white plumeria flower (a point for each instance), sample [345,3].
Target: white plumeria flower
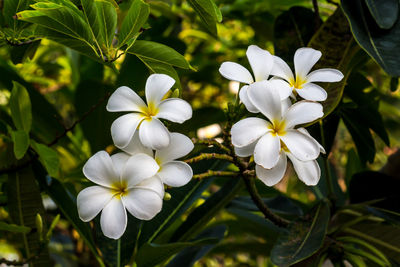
[171,172]
[124,183]
[152,132]
[307,171]
[267,138]
[261,62]
[303,82]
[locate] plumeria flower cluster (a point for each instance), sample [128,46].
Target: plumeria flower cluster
[281,136]
[133,180]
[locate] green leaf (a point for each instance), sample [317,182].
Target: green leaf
[14,228]
[21,143]
[48,157]
[338,48]
[199,217]
[108,21]
[385,12]
[24,202]
[303,238]
[21,110]
[135,18]
[380,44]
[157,52]
[10,10]
[152,254]
[208,13]
[91,16]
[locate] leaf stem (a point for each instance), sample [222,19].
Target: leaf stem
[119,252]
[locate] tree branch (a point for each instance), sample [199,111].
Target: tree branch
[211,173]
[205,156]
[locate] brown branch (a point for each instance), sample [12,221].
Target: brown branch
[84,116]
[211,142]
[205,156]
[211,173]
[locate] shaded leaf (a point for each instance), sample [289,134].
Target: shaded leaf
[208,13]
[385,12]
[48,157]
[21,143]
[14,228]
[303,238]
[107,15]
[21,110]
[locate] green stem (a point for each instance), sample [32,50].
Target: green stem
[331,193]
[119,253]
[132,260]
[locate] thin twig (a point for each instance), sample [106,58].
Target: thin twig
[211,142]
[317,16]
[205,156]
[211,173]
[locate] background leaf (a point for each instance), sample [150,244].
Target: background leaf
[21,143]
[21,110]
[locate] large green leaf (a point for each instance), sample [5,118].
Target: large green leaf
[157,52]
[338,48]
[25,202]
[11,8]
[152,254]
[380,44]
[108,21]
[385,12]
[21,110]
[91,17]
[209,14]
[303,238]
[21,143]
[136,17]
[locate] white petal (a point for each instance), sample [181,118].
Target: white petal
[235,72]
[119,161]
[139,167]
[304,59]
[281,69]
[300,145]
[113,219]
[123,128]
[304,131]
[135,146]
[125,99]
[266,98]
[324,75]
[272,176]
[266,152]
[261,62]
[248,130]
[157,85]
[144,203]
[179,146]
[175,110]
[282,87]
[313,92]
[307,171]
[154,134]
[100,170]
[91,201]
[175,173]
[246,151]
[246,101]
[154,184]
[286,104]
[303,112]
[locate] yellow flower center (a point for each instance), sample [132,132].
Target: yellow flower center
[119,189]
[149,111]
[297,83]
[278,128]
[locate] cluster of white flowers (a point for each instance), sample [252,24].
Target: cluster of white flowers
[134,179]
[272,142]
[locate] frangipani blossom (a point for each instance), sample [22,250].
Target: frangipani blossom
[307,171]
[303,82]
[261,62]
[123,183]
[145,118]
[267,139]
[171,172]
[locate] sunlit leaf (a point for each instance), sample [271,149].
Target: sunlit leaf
[21,143]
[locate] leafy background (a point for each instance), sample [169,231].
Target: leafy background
[59,62]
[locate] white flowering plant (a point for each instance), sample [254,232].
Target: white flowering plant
[189,133]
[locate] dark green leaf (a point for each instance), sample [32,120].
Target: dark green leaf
[385,12]
[208,13]
[152,254]
[338,48]
[14,228]
[394,83]
[157,52]
[303,238]
[91,16]
[380,44]
[135,19]
[48,157]
[21,110]
[21,143]
[10,10]
[107,15]
[25,202]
